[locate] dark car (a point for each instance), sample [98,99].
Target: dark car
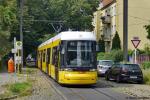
[125,72]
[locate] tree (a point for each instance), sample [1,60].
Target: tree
[101,44]
[75,14]
[116,44]
[147,27]
[7,19]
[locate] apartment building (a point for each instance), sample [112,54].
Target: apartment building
[111,20]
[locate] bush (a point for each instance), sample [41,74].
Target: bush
[146,65]
[146,74]
[115,55]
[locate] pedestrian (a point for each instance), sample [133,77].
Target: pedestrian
[11,65]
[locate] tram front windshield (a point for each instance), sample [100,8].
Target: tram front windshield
[80,53]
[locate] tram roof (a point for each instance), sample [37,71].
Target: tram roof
[71,35]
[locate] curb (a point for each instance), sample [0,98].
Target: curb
[8,98]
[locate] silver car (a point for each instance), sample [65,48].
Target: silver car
[103,65]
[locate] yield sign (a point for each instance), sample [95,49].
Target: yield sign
[136,43]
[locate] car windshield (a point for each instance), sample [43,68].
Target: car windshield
[80,53]
[108,63]
[131,66]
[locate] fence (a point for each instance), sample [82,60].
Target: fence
[140,58]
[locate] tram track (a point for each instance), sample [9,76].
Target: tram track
[95,90]
[51,82]
[111,97]
[83,93]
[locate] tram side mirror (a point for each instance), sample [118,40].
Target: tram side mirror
[97,48]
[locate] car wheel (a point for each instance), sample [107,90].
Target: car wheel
[118,79]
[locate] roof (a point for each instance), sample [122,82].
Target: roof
[106,2]
[71,35]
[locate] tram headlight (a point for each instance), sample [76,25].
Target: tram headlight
[92,70]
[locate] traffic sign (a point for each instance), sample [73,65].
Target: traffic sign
[14,50]
[18,45]
[135,41]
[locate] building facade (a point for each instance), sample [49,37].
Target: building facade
[111,21]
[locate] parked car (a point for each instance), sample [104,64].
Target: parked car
[125,72]
[103,65]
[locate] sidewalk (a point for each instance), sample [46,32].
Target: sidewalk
[42,88]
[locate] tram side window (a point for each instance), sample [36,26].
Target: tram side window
[55,56]
[44,55]
[48,55]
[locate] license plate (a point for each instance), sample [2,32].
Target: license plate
[133,76]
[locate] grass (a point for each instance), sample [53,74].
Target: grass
[21,89]
[146,74]
[17,90]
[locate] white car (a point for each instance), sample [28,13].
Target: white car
[103,66]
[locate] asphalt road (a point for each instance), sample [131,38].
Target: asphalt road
[103,90]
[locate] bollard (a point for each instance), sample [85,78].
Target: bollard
[11,65]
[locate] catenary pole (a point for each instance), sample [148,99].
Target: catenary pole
[125,30]
[21,32]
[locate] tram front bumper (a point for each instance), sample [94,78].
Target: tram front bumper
[79,78]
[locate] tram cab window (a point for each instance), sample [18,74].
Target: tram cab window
[80,53]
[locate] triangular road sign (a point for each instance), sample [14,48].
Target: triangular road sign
[136,43]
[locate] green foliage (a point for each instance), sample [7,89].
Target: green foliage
[146,65]
[116,43]
[147,49]
[101,45]
[104,56]
[75,14]
[21,89]
[115,55]
[130,52]
[147,27]
[7,19]
[146,74]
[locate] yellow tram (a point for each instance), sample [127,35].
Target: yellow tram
[69,58]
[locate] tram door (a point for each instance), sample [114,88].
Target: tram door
[47,60]
[56,61]
[41,59]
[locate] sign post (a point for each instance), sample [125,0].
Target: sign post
[135,41]
[18,55]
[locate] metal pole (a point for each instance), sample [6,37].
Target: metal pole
[21,33]
[125,30]
[135,61]
[15,53]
